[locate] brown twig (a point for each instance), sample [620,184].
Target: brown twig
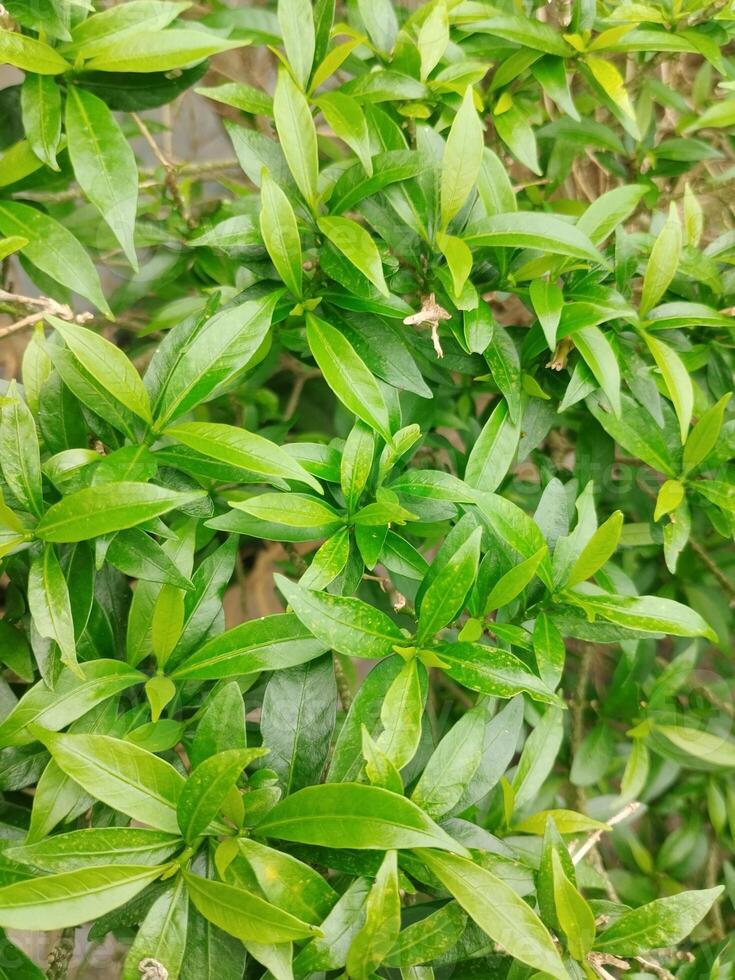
[711,879]
[577,705]
[201,168]
[723,579]
[343,685]
[44,305]
[60,956]
[169,167]
[659,971]
[586,846]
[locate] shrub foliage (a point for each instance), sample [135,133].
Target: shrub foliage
[446,354]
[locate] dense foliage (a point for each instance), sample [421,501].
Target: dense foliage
[446,353]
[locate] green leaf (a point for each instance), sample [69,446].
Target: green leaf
[291,510]
[122,775]
[599,549]
[552,844]
[150,51]
[530,229]
[159,690]
[600,358]
[670,495]
[379,769]
[30,54]
[677,380]
[19,966]
[548,302]
[243,914]
[329,951]
[515,528]
[71,898]
[363,716]
[637,432]
[40,99]
[379,17]
[107,364]
[287,882]
[576,918]
[527,32]
[433,38]
[347,120]
[651,614]
[452,765]
[273,642]
[240,95]
[514,581]
[108,507]
[161,937]
[218,350]
[356,463]
[664,922]
[353,815]
[401,714]
[479,328]
[494,186]
[494,450]
[516,132]
[56,795]
[54,250]
[720,493]
[662,262]
[382,922]
[104,165]
[48,600]
[297,134]
[358,247]
[462,158]
[210,953]
[167,623]
[445,597]
[459,260]
[345,625]
[491,671]
[20,454]
[73,696]
[10,245]
[426,940]
[207,787]
[714,751]
[551,73]
[538,757]
[347,374]
[221,726]
[75,380]
[296,20]
[136,554]
[18,161]
[297,721]
[608,77]
[281,233]
[565,821]
[98,846]
[242,449]
[504,363]
[498,911]
[388,168]
[109,23]
[703,437]
[609,210]
[593,757]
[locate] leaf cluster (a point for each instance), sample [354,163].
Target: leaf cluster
[446,348]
